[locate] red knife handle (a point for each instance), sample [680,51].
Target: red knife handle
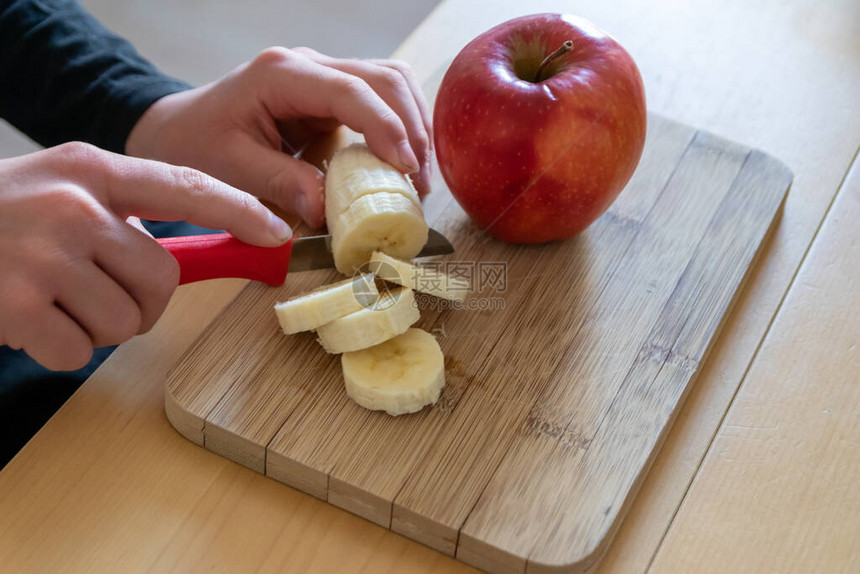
[220,255]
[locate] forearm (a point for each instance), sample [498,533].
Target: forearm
[64,77]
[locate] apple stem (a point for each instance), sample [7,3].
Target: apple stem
[563,49]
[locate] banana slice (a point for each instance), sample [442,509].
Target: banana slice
[423,279]
[401,375]
[383,221]
[355,171]
[370,206]
[325,304]
[391,315]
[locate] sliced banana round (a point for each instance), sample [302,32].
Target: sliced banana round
[390,315]
[401,375]
[325,304]
[387,222]
[421,278]
[355,171]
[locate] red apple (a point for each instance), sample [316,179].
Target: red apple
[534,153]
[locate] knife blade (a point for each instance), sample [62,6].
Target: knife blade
[314,252]
[221,255]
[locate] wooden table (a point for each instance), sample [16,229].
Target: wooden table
[762,479]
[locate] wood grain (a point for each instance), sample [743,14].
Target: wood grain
[585,385]
[437,496]
[583,510]
[730,68]
[106,415]
[797,409]
[109,486]
[516,422]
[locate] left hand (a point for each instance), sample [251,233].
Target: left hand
[245,128]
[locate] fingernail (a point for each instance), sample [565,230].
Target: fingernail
[279,228]
[408,161]
[302,206]
[424,176]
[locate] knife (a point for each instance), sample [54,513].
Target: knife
[221,255]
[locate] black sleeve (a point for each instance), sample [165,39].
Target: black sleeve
[64,77]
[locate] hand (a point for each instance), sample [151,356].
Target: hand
[245,128]
[75,273]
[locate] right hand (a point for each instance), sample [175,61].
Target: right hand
[75,273]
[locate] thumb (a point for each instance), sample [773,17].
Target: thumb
[292,184]
[162,192]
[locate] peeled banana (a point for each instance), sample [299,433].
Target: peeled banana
[370,206]
[422,279]
[374,216]
[355,171]
[391,315]
[401,375]
[320,306]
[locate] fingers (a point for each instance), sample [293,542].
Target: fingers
[154,190]
[57,342]
[46,333]
[422,180]
[103,309]
[293,85]
[393,82]
[415,88]
[76,274]
[297,134]
[121,288]
[139,267]
[294,185]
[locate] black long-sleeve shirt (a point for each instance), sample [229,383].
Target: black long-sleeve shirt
[64,77]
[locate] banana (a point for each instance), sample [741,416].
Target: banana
[325,304]
[401,375]
[356,171]
[423,279]
[373,212]
[381,221]
[391,315]
[370,206]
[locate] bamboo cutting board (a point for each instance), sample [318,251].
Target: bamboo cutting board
[560,386]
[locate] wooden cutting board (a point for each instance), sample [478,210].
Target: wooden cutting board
[561,383]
